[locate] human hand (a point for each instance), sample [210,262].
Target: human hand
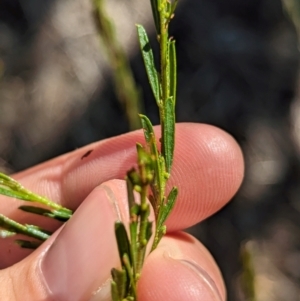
[75,262]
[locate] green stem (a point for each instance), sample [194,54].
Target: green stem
[143,228]
[12,188]
[125,86]
[163,40]
[27,230]
[133,282]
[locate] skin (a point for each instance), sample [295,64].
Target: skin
[75,263]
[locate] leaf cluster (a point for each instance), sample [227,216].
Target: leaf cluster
[154,165]
[132,251]
[163,83]
[11,188]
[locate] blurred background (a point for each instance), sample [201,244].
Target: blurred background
[238,66]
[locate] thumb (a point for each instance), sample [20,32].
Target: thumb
[75,263]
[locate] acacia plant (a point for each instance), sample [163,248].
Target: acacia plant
[149,179]
[154,166]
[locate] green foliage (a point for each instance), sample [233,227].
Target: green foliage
[148,180]
[11,188]
[248,272]
[148,58]
[125,86]
[163,84]
[132,251]
[154,167]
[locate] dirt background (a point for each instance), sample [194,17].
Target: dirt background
[238,66]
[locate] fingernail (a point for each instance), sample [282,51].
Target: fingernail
[79,261]
[209,289]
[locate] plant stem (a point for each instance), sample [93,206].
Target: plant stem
[126,89]
[12,188]
[28,230]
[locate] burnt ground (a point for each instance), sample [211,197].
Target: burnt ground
[238,69]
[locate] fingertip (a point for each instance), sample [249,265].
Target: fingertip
[208,168]
[180,269]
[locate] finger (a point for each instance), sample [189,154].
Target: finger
[208,169]
[75,263]
[180,269]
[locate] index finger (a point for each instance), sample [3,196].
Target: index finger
[208,169]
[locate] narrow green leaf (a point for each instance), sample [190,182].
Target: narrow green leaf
[248,277]
[120,279]
[122,240]
[148,58]
[172,197]
[155,14]
[60,215]
[148,130]
[6,178]
[8,181]
[149,230]
[169,133]
[34,228]
[174,5]
[35,210]
[19,192]
[15,194]
[130,196]
[160,232]
[126,262]
[133,237]
[172,70]
[26,244]
[55,214]
[167,208]
[145,212]
[159,166]
[29,230]
[114,291]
